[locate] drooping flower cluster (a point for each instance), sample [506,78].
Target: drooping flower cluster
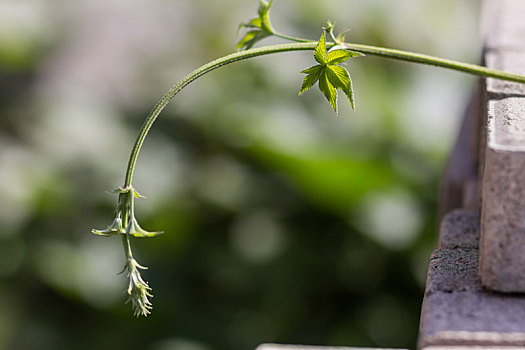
[138,289]
[126,225]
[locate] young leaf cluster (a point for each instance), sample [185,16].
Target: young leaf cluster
[259,27]
[329,74]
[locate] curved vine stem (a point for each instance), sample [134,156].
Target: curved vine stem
[302,45]
[238,56]
[434,61]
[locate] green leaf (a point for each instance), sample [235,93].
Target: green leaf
[328,90]
[254,23]
[330,76]
[320,50]
[340,55]
[312,77]
[338,76]
[260,27]
[251,38]
[313,69]
[340,79]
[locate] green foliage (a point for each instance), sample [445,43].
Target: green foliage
[330,75]
[259,27]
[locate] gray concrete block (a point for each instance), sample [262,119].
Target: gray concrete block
[503,24]
[502,262]
[453,270]
[473,318]
[459,229]
[458,312]
[310,347]
[473,348]
[507,61]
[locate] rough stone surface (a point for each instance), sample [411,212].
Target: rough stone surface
[458,312]
[309,347]
[459,229]
[453,270]
[504,24]
[473,348]
[506,124]
[502,260]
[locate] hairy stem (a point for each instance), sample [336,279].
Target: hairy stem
[127,248]
[291,38]
[238,56]
[434,61]
[302,45]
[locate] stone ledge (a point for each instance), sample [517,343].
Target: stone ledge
[507,61]
[506,125]
[459,229]
[456,310]
[453,270]
[503,154]
[503,192]
[310,347]
[474,348]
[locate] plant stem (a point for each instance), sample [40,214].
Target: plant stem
[127,248]
[301,45]
[238,56]
[291,38]
[434,61]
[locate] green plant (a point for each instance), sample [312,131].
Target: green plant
[330,77]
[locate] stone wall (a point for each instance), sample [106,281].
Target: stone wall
[475,292]
[477,274]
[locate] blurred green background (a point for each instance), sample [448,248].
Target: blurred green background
[284,223]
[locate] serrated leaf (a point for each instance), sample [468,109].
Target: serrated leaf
[338,76]
[340,79]
[331,77]
[314,69]
[328,90]
[320,50]
[339,56]
[350,94]
[312,77]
